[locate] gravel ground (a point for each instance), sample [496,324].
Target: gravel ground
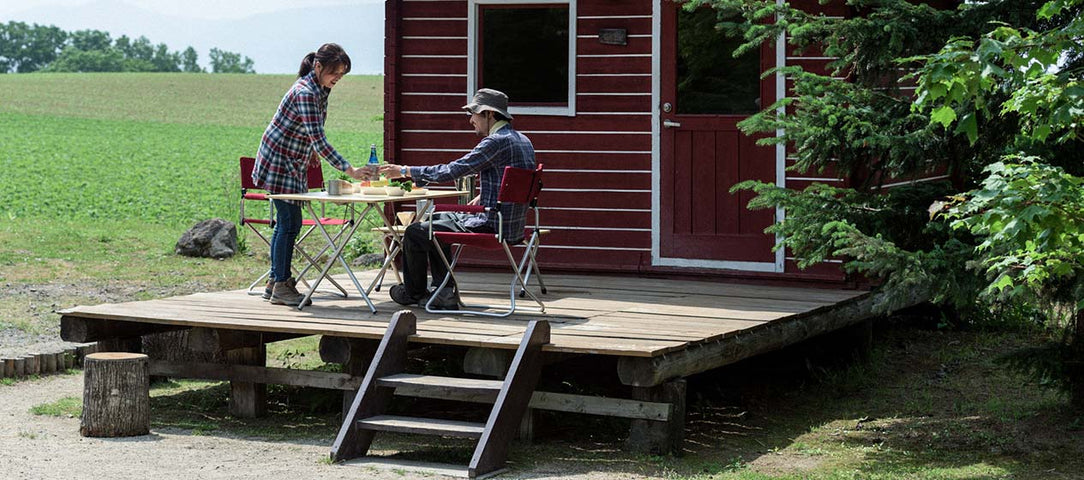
[44,447]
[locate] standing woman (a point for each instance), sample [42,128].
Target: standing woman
[293,139]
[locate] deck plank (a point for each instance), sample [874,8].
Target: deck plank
[623,316]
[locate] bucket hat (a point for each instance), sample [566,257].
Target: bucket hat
[489,99]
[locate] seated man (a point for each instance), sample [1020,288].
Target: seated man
[502,147]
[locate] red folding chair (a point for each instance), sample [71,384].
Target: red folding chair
[250,192]
[518,186]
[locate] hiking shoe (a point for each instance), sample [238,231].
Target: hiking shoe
[271,284]
[285,294]
[447,299]
[400,295]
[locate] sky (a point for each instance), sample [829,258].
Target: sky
[275,34]
[200,9]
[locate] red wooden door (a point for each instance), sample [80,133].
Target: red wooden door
[705,93]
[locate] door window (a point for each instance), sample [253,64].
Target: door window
[709,79]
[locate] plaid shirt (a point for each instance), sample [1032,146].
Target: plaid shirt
[504,147]
[296,131]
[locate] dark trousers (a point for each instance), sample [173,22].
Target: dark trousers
[420,253]
[287,227]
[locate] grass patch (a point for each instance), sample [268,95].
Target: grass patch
[65,407]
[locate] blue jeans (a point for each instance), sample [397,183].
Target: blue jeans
[287,227]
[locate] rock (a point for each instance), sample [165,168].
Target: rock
[368,259]
[214,238]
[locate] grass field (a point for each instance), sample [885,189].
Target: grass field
[102,173]
[160,148]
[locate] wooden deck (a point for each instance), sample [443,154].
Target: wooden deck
[622,316]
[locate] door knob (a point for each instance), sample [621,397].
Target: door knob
[671,124]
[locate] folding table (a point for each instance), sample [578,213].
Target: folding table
[370,202]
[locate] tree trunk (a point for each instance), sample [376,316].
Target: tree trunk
[116,395]
[1076,364]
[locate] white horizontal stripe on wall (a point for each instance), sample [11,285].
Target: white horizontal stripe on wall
[592,152]
[795,259]
[910,182]
[611,17]
[434,75]
[586,209]
[574,170]
[626,152]
[433,94]
[435,56]
[598,190]
[442,112]
[581,247]
[613,94]
[613,113]
[619,55]
[814,179]
[599,229]
[594,36]
[538,132]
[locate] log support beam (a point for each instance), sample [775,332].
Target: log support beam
[654,437]
[354,354]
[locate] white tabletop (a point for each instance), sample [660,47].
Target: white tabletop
[359,198]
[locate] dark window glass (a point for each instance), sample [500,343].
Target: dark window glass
[709,78]
[524,53]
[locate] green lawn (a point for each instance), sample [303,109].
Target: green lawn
[102,173]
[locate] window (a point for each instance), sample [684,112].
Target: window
[710,80]
[526,50]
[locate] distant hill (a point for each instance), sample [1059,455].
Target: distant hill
[276,42]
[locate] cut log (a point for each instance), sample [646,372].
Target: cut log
[20,367]
[660,438]
[50,363]
[9,368]
[33,366]
[69,359]
[116,395]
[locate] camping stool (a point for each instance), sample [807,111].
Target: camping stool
[116,395]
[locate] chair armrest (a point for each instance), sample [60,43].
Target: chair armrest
[451,207]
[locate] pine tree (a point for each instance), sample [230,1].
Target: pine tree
[999,103]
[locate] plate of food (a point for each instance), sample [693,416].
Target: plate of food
[373,191]
[417,191]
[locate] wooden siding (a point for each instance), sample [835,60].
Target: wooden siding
[597,195]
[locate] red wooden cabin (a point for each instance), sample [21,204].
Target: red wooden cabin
[631,105]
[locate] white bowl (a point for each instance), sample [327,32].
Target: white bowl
[394,191]
[373,190]
[417,191]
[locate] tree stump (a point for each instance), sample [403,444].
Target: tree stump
[116,395]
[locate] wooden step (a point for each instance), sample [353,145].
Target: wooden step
[432,386]
[425,426]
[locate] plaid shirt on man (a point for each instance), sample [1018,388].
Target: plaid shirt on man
[296,131]
[504,147]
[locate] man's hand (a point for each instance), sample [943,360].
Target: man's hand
[476,200]
[363,173]
[391,170]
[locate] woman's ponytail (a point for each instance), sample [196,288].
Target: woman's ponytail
[307,64]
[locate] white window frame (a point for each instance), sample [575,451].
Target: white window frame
[472,55]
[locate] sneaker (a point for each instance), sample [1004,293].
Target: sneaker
[284,294]
[400,295]
[271,284]
[447,299]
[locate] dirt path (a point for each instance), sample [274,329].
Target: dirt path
[44,447]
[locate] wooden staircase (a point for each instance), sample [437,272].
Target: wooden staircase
[385,375]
